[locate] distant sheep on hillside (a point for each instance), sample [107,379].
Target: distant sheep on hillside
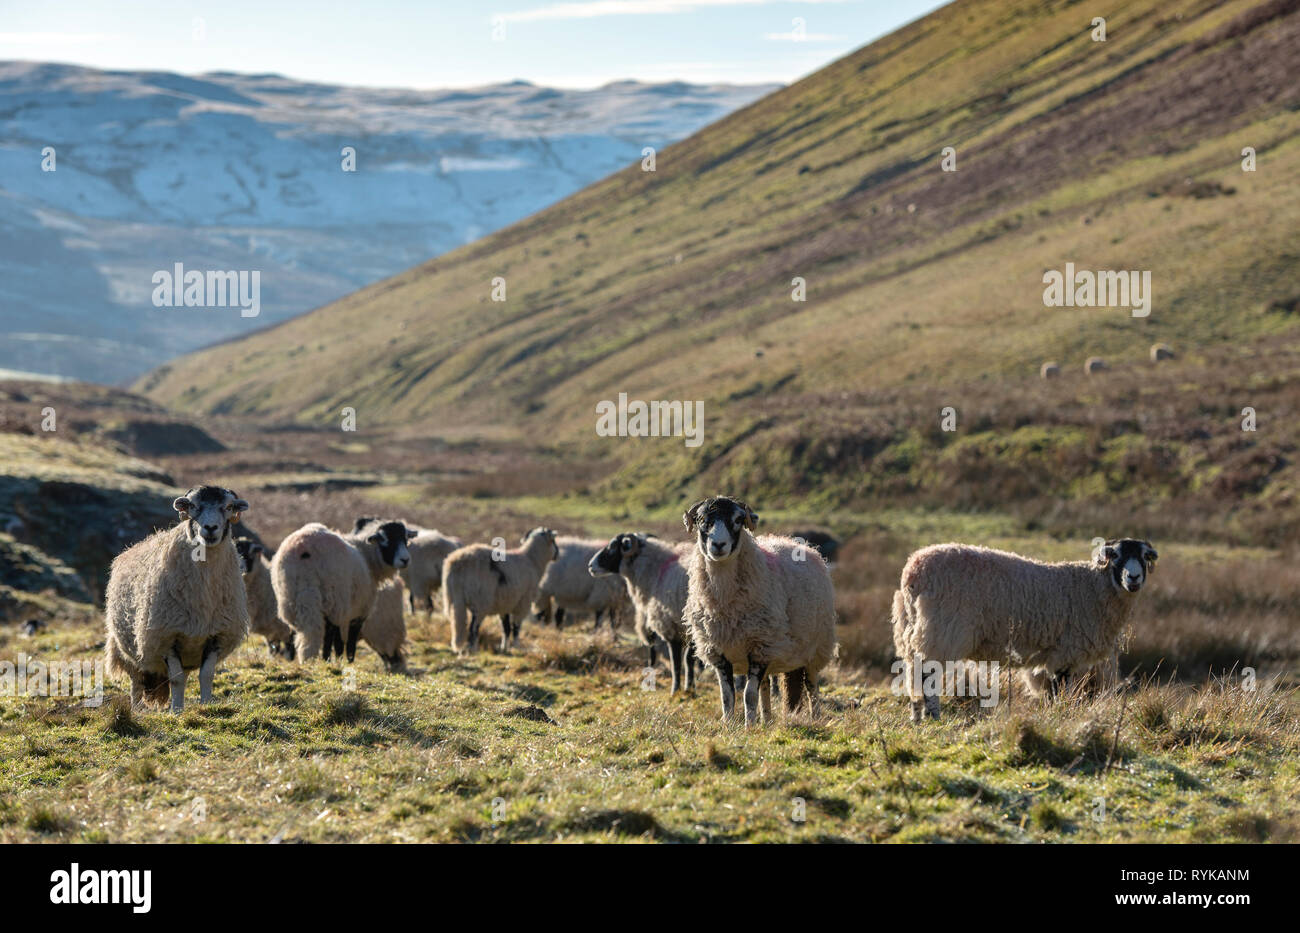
[1161,351]
[1050,371]
[1095,364]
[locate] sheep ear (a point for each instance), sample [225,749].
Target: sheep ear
[411,533]
[375,538]
[751,519]
[692,515]
[1150,554]
[1105,555]
[181,504]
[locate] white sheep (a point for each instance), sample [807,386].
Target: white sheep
[479,581]
[566,586]
[1049,371]
[958,602]
[176,602]
[325,583]
[428,549]
[385,626]
[1161,351]
[655,575]
[757,605]
[263,614]
[1095,364]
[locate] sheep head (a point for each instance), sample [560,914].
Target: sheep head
[609,559]
[719,524]
[390,539]
[1129,561]
[210,512]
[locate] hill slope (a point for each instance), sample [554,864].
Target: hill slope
[922,285]
[230,171]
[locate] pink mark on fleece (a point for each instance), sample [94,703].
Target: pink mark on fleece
[664,569]
[772,557]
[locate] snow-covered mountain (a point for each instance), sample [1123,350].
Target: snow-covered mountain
[247,173]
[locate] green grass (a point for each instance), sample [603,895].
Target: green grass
[288,753]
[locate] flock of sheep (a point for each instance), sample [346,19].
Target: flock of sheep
[1158,353]
[757,609]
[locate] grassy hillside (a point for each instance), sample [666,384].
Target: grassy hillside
[1114,155]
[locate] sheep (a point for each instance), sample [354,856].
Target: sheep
[263,615]
[655,576]
[764,605]
[1049,370]
[326,582]
[1161,351]
[567,586]
[423,576]
[385,626]
[1095,364]
[175,601]
[478,582]
[960,602]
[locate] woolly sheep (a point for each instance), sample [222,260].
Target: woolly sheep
[325,583]
[476,584]
[428,549]
[655,575]
[566,586]
[263,614]
[1161,351]
[175,601]
[958,602]
[1049,371]
[758,605]
[385,626]
[1095,364]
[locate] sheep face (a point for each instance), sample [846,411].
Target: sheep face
[1129,561]
[718,524]
[210,512]
[390,539]
[248,551]
[609,559]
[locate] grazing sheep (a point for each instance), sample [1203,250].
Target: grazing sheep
[423,576]
[175,601]
[1049,371]
[476,584]
[1161,351]
[655,575]
[566,586]
[325,583]
[385,627]
[958,602]
[1095,364]
[263,615]
[760,605]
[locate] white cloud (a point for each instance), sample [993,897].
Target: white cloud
[590,9]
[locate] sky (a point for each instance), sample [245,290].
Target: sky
[455,43]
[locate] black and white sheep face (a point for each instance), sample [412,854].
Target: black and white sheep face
[1129,560]
[718,524]
[610,559]
[390,538]
[210,512]
[248,551]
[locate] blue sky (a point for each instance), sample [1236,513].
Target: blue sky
[456,43]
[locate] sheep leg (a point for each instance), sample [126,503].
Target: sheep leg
[137,693]
[474,622]
[689,662]
[675,663]
[354,632]
[910,666]
[765,700]
[207,670]
[505,633]
[559,619]
[753,681]
[652,658]
[725,686]
[176,676]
